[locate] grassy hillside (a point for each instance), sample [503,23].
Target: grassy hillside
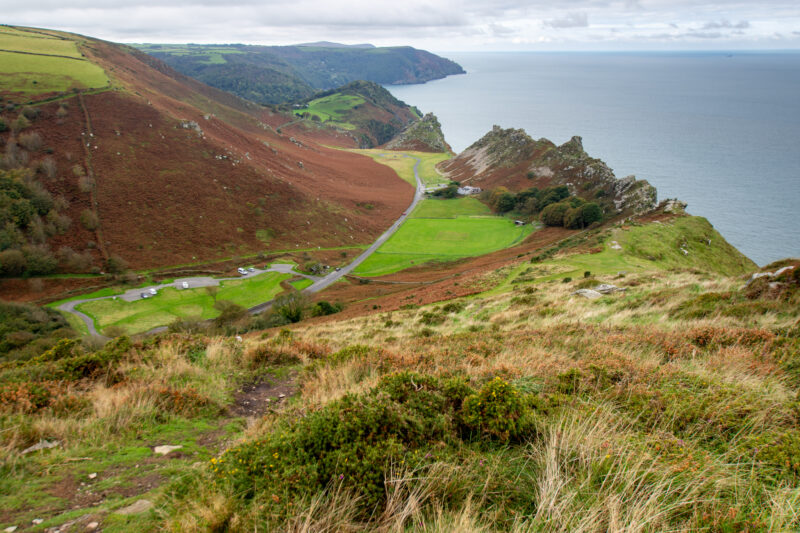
[669,405]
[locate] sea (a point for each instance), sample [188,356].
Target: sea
[718,130]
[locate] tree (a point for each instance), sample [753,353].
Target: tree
[212,290]
[591,213]
[553,215]
[291,306]
[505,202]
[229,312]
[12,263]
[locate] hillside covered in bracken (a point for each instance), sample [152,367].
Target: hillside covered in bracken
[155,169]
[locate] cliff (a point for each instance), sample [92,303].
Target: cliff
[424,135]
[511,158]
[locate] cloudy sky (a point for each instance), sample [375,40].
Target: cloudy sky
[439,25]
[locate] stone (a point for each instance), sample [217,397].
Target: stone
[605,288]
[136,507]
[91,526]
[588,293]
[10,529]
[615,245]
[93,475]
[166,449]
[37,521]
[41,445]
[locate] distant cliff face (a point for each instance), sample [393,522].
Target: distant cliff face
[511,158]
[280,74]
[424,135]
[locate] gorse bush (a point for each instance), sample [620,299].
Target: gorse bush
[355,440]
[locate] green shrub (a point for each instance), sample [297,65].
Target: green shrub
[777,454]
[323,308]
[496,411]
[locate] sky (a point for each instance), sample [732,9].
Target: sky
[437,25]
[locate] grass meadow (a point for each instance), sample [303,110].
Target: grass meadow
[332,108]
[401,163]
[170,303]
[443,230]
[31,74]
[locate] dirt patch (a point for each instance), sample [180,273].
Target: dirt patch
[137,486]
[254,399]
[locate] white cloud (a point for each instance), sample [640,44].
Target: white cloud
[570,20]
[433,24]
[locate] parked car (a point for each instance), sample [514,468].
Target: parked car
[153,292]
[185,284]
[251,269]
[241,271]
[145,295]
[338,269]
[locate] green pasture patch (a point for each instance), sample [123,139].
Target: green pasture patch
[427,167]
[403,163]
[451,208]
[397,161]
[170,303]
[332,108]
[421,240]
[34,74]
[301,284]
[37,44]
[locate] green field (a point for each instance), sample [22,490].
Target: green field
[454,234]
[301,284]
[332,109]
[169,304]
[451,208]
[427,167]
[403,163]
[34,74]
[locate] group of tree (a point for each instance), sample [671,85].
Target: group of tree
[30,216]
[27,330]
[554,206]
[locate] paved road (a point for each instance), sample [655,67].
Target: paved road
[336,275]
[319,284]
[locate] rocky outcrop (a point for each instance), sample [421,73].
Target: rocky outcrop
[424,135]
[511,158]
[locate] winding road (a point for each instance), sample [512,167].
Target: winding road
[319,283]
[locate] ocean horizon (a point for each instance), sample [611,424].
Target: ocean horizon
[717,130]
